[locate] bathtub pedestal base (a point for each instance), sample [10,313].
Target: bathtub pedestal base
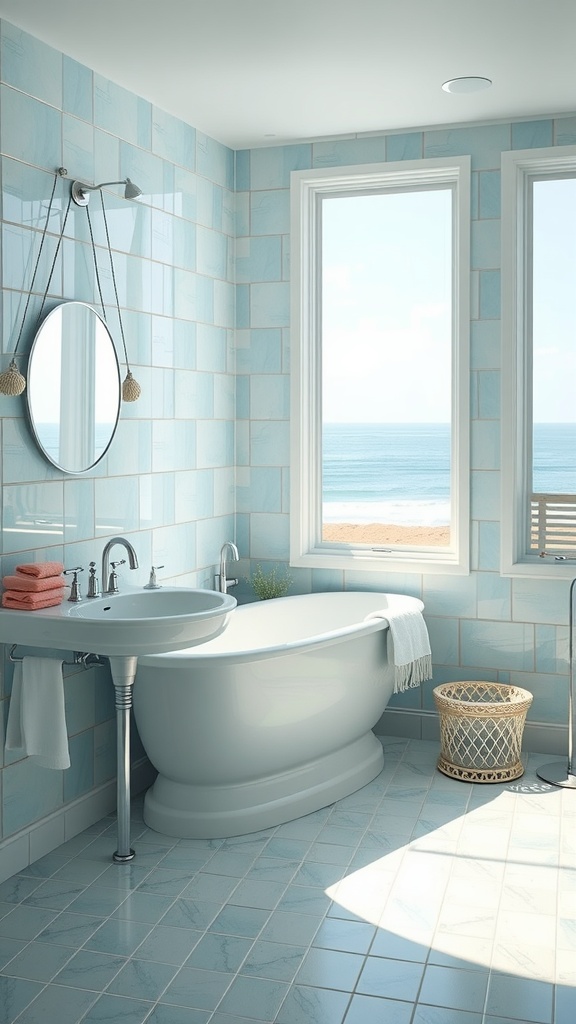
[218,811]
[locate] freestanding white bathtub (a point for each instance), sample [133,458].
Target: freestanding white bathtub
[270,720]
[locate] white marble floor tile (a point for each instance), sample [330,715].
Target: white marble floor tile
[417,900]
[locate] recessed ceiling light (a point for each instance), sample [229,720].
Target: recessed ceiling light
[471,83]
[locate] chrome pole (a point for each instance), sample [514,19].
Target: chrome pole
[556,773]
[123,673]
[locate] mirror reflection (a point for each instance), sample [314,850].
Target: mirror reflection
[73,393]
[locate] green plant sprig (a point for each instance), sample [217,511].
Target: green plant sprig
[267,585]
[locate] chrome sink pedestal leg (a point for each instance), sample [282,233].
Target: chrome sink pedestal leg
[123,673]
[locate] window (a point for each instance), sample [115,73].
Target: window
[539,368]
[380,382]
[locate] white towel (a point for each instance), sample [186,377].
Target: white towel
[37,719]
[408,647]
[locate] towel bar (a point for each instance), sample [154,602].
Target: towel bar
[80,658]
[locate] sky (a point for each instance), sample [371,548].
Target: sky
[387,305]
[554,320]
[387,266]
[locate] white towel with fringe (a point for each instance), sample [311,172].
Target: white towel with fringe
[408,647]
[36,719]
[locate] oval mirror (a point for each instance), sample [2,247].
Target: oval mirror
[73,390]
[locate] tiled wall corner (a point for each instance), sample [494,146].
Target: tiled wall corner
[173,255]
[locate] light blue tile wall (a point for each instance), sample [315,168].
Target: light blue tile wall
[207,249]
[482,626]
[166,482]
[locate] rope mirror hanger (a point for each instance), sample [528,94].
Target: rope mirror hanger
[12,381]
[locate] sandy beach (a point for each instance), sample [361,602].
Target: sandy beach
[386,533]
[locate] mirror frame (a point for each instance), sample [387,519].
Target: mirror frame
[33,423]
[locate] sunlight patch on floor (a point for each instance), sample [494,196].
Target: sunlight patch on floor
[494,887]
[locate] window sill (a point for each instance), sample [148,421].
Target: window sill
[363,560]
[540,569]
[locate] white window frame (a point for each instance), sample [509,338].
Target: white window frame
[517,168]
[307,189]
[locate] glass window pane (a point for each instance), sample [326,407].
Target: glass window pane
[386,314]
[554,335]
[553,322]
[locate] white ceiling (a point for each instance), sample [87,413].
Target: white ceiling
[265,72]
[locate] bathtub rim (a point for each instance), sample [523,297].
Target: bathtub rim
[371,623]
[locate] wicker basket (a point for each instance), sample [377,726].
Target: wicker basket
[481,726]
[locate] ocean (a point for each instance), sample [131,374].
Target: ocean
[400,472]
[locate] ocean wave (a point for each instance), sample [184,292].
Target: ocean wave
[399,513]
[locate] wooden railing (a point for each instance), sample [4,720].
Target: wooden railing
[553,523]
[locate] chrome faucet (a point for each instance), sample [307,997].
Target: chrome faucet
[109,576]
[221,578]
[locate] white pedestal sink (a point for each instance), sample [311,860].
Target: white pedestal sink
[136,621]
[121,627]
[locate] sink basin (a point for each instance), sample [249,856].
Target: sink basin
[131,623]
[149,604]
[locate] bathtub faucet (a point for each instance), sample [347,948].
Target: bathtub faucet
[110,578]
[221,578]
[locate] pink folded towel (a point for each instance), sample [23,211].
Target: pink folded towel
[40,569]
[30,602]
[33,585]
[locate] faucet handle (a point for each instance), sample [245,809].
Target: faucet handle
[93,585]
[153,582]
[75,594]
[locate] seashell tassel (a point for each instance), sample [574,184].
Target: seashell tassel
[131,389]
[11,381]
